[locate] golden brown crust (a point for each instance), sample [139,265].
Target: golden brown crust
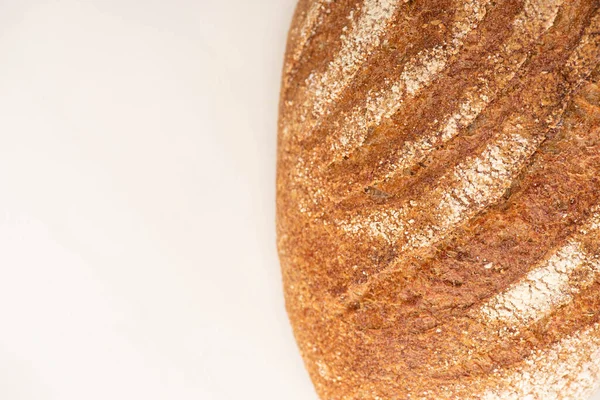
[438,197]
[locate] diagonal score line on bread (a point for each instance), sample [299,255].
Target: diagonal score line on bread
[480,96]
[472,186]
[461,193]
[421,71]
[569,369]
[546,287]
[354,126]
[352,131]
[365,35]
[587,53]
[418,73]
[312,20]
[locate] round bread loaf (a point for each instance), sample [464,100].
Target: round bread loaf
[438,197]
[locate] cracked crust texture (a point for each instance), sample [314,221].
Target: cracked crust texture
[438,197]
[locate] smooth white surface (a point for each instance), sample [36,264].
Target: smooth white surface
[137,246]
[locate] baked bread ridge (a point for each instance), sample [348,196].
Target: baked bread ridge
[438,197]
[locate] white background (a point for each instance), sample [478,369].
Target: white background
[137,245]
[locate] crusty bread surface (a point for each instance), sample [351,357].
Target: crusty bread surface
[438,197]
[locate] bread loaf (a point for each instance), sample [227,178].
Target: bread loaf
[438,197]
